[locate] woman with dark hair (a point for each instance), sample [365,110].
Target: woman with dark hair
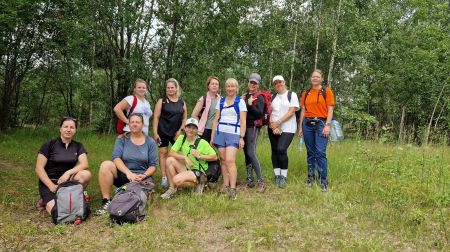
[255,106]
[168,121]
[134,158]
[314,125]
[205,108]
[59,160]
[135,103]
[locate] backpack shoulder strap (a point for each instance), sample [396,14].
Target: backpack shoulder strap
[274,95]
[204,101]
[324,92]
[197,141]
[222,103]
[183,140]
[133,105]
[289,95]
[238,112]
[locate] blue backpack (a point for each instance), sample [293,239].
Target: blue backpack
[236,108]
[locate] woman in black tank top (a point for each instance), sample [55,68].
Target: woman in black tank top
[170,114]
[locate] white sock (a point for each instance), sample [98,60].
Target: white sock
[277,171]
[284,173]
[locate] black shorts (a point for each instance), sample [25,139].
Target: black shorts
[45,193]
[207,135]
[165,140]
[121,179]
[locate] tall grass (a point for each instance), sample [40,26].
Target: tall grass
[382,197]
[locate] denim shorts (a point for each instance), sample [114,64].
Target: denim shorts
[224,140]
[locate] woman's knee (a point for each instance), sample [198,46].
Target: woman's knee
[170,161]
[163,152]
[83,176]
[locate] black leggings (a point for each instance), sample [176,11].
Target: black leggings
[280,144]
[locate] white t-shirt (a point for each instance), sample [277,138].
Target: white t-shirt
[142,108]
[280,106]
[229,115]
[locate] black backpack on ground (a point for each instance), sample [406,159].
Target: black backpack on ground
[129,204]
[71,203]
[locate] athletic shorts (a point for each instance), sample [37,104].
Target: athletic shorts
[224,140]
[165,140]
[45,193]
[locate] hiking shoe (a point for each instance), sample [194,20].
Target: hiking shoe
[261,187]
[309,183]
[104,208]
[40,206]
[164,182]
[169,193]
[282,182]
[250,184]
[277,180]
[323,188]
[199,188]
[232,194]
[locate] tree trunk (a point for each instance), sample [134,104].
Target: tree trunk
[316,57]
[439,116]
[335,37]
[402,121]
[171,47]
[427,135]
[293,57]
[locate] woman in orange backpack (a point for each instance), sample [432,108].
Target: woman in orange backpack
[314,125]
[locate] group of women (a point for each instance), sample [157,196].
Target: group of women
[227,123]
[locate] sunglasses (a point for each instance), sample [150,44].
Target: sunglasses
[65,118]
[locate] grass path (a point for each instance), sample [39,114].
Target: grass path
[382,198]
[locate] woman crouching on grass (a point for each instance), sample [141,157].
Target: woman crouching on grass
[134,158]
[187,160]
[60,160]
[228,133]
[314,125]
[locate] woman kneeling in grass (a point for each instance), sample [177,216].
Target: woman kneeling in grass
[187,160]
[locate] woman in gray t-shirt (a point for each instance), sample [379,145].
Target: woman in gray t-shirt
[205,109]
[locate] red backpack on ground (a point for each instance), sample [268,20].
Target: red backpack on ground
[120,123]
[267,110]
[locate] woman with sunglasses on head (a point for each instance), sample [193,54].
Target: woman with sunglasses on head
[314,126]
[255,106]
[187,161]
[282,128]
[228,133]
[135,103]
[60,160]
[205,108]
[168,120]
[134,158]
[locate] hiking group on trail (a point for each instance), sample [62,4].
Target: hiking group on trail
[204,147]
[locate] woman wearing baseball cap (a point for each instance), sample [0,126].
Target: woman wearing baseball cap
[282,128]
[187,162]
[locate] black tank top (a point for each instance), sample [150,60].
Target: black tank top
[171,116]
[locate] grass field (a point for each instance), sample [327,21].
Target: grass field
[381,198]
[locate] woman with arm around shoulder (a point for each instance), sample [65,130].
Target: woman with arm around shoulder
[255,106]
[168,121]
[60,160]
[142,106]
[134,158]
[228,133]
[314,126]
[186,164]
[282,128]
[205,108]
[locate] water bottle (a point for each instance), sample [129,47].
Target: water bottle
[336,130]
[301,144]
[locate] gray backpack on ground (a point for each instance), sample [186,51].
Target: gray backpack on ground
[128,205]
[71,205]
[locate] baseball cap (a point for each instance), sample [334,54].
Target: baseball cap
[255,77]
[277,78]
[191,121]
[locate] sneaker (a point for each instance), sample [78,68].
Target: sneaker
[323,188]
[282,182]
[277,180]
[232,194]
[261,187]
[164,182]
[104,208]
[250,183]
[169,193]
[199,188]
[40,206]
[309,183]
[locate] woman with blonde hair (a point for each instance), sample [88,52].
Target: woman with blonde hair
[135,103]
[168,121]
[228,133]
[205,108]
